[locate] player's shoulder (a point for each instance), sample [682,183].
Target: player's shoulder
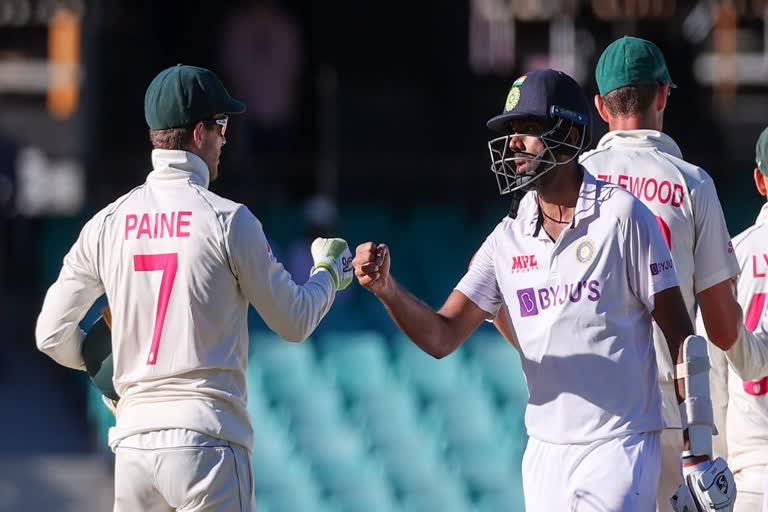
[221,207]
[114,207]
[693,175]
[617,202]
[754,234]
[588,156]
[216,202]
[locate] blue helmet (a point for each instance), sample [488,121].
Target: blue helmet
[543,94]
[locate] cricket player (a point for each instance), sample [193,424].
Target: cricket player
[741,414]
[634,84]
[582,268]
[179,266]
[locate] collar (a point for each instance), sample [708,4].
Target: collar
[173,164]
[586,204]
[762,217]
[640,139]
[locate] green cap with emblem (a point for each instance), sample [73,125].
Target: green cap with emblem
[631,61]
[183,95]
[761,152]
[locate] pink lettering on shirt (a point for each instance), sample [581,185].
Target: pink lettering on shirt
[182,223]
[131,221]
[158,225]
[755,272]
[648,189]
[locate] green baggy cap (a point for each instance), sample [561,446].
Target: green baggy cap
[761,152]
[183,95]
[630,61]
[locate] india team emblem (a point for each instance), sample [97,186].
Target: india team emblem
[514,94]
[512,98]
[585,251]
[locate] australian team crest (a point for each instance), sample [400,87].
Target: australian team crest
[514,94]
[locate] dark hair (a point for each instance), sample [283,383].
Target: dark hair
[630,100]
[173,138]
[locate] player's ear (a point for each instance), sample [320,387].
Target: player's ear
[600,106]
[197,134]
[661,97]
[762,188]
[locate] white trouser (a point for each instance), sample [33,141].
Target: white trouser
[671,474]
[182,470]
[610,475]
[751,483]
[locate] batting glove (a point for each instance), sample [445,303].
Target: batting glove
[333,255]
[706,486]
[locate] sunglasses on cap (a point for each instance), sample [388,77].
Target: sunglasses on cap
[221,121]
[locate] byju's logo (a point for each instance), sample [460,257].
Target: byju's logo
[524,263]
[662,266]
[527,299]
[532,301]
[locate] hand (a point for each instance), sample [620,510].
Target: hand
[708,486]
[372,267]
[333,255]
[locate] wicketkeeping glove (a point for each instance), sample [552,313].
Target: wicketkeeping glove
[97,354]
[333,255]
[706,487]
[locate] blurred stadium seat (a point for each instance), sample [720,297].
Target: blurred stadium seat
[320,406]
[466,414]
[445,498]
[498,362]
[357,361]
[431,378]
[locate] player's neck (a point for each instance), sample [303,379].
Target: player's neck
[638,122]
[560,191]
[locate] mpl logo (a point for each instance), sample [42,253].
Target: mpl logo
[524,263]
[662,266]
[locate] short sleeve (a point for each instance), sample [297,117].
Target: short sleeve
[649,262]
[714,260]
[479,284]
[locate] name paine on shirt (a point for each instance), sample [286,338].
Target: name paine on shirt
[650,189]
[157,225]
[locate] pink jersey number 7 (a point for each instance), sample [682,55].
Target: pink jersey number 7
[756,305]
[168,263]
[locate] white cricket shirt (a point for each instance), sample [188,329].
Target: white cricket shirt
[581,310]
[179,266]
[682,196]
[746,403]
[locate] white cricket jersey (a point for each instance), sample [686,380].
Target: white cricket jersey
[179,266]
[746,403]
[581,310]
[682,196]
